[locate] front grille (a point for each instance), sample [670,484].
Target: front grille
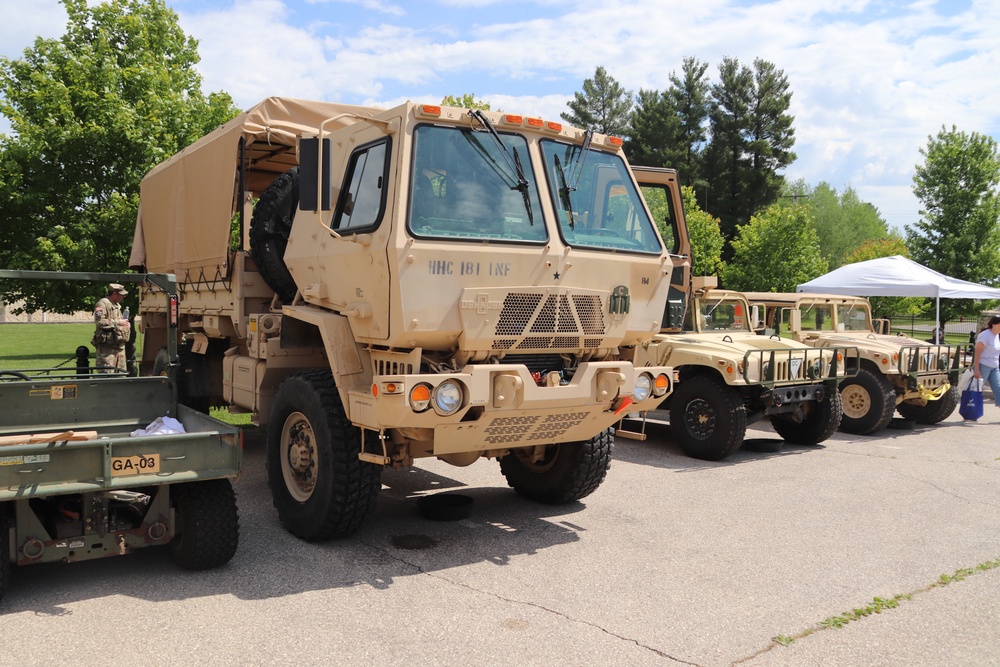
[570,321]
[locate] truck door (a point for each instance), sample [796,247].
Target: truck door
[661,191]
[352,259]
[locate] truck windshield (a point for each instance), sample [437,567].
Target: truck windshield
[853,317]
[464,188]
[596,200]
[718,314]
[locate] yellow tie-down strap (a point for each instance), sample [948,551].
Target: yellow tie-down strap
[934,394]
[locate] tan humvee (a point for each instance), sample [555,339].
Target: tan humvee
[731,377]
[896,372]
[379,286]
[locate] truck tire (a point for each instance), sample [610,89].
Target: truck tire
[821,421]
[208,525]
[4,551]
[868,400]
[707,417]
[569,470]
[269,229]
[319,486]
[184,372]
[931,412]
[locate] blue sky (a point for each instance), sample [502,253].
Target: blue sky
[871,79]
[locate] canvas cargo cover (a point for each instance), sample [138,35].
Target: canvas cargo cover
[187,201]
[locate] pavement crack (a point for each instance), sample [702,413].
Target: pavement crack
[554,612]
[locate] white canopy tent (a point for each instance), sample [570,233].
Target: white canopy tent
[897,276]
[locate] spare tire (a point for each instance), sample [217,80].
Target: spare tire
[269,229]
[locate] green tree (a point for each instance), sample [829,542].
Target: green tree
[603,106]
[958,233]
[705,235]
[690,97]
[843,221]
[91,112]
[655,131]
[466,101]
[751,140]
[776,251]
[887,306]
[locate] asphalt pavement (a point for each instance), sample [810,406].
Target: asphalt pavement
[780,555]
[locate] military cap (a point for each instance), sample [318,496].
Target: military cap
[116,288]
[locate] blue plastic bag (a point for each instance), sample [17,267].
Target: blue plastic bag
[971,407]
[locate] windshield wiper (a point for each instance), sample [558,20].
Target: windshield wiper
[513,162]
[581,159]
[564,191]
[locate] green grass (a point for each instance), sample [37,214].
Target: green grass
[32,346]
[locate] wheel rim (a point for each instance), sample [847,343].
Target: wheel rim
[543,464]
[699,418]
[299,458]
[857,401]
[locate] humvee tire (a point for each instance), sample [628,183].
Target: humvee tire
[708,419]
[931,412]
[319,486]
[868,401]
[4,551]
[821,422]
[569,471]
[269,229]
[208,524]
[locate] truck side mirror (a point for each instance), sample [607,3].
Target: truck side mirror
[309,179]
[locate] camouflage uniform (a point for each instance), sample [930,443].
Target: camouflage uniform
[111,332]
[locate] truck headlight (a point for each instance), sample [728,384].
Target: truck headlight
[643,387]
[447,397]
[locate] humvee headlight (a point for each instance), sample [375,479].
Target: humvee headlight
[447,397]
[661,384]
[420,397]
[643,387]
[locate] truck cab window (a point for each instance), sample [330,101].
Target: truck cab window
[362,200]
[661,206]
[596,201]
[464,187]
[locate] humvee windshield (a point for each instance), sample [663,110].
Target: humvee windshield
[464,187]
[852,317]
[596,201]
[718,314]
[815,317]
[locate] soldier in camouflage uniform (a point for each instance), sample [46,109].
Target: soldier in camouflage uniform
[111,331]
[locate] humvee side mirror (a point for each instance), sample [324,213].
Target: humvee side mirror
[309,180]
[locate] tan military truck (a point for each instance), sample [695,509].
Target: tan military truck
[377,286]
[730,377]
[895,372]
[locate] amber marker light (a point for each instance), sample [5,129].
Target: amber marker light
[553,126]
[660,385]
[615,141]
[420,397]
[511,119]
[429,111]
[534,123]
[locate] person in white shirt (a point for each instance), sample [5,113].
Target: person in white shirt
[986,360]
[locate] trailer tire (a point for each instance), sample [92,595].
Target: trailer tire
[868,401]
[931,412]
[208,524]
[4,551]
[319,486]
[568,471]
[707,418]
[821,421]
[269,229]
